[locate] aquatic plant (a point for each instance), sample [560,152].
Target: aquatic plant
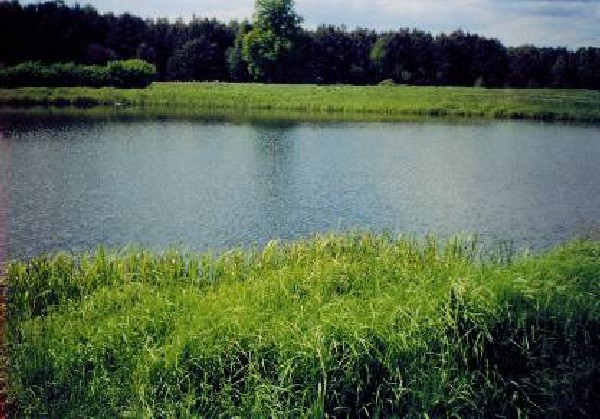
[337,325]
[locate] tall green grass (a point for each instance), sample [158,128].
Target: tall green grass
[350,102]
[357,325]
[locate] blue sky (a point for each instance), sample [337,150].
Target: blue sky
[570,23]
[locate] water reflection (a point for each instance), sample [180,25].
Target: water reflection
[271,179]
[70,184]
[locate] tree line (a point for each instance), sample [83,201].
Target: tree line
[275,48]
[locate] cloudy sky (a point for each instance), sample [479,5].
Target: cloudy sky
[570,23]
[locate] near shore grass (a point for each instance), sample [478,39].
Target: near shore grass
[348,102]
[357,325]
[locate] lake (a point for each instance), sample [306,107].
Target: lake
[74,183]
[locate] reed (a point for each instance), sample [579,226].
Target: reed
[335,325]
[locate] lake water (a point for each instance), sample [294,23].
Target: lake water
[72,184]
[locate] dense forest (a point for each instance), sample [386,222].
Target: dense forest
[204,49]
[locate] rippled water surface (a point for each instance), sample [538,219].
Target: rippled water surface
[68,184]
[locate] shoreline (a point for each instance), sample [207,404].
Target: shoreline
[359,103]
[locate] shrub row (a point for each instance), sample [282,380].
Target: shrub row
[122,74]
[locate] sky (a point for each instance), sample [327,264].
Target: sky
[568,23]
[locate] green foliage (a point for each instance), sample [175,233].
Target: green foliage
[238,68]
[271,40]
[278,16]
[378,55]
[53,31]
[58,74]
[326,102]
[198,59]
[354,325]
[130,73]
[387,82]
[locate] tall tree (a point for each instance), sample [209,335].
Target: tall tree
[588,68]
[276,49]
[198,59]
[238,68]
[270,43]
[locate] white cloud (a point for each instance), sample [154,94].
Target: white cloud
[515,22]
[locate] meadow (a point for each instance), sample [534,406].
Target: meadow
[339,101]
[355,324]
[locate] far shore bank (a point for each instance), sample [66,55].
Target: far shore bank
[319,102]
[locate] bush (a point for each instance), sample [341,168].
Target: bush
[131,73]
[122,74]
[29,73]
[387,82]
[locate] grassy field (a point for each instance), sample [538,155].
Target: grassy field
[350,102]
[356,324]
